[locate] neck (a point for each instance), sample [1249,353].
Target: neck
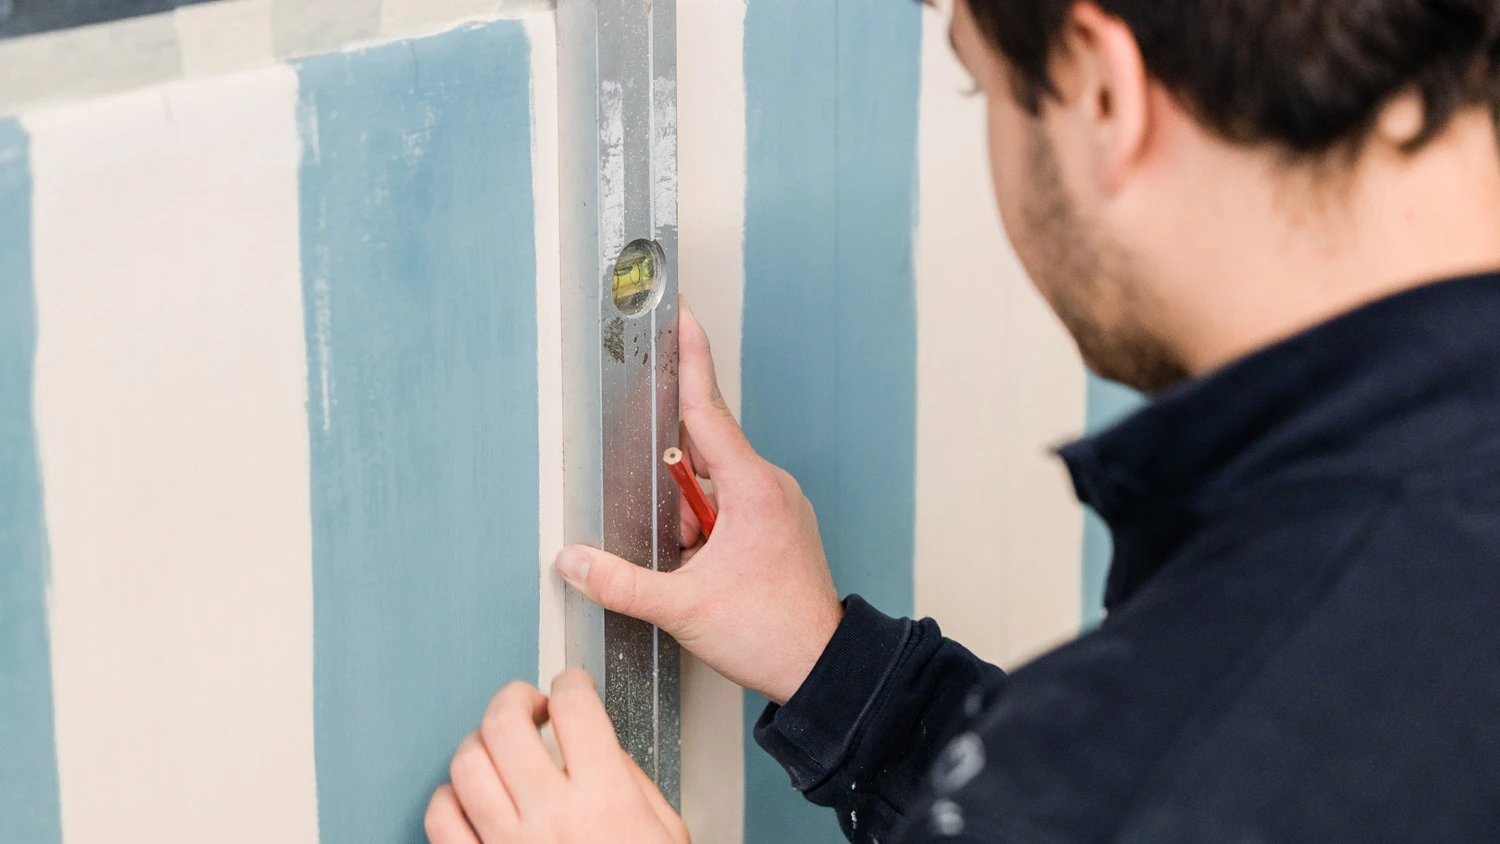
[1304,253]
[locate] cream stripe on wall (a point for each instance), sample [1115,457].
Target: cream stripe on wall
[170,389]
[541,32]
[205,39]
[999,383]
[711,194]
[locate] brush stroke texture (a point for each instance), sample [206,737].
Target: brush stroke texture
[419,281]
[829,349]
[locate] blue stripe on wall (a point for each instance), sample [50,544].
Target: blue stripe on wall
[29,809]
[1108,403]
[420,298]
[829,350]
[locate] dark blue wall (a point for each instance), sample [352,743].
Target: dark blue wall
[24,17]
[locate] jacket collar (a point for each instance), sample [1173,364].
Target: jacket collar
[1377,391]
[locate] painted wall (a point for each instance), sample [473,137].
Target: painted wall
[272,392]
[28,768]
[280,441]
[25,17]
[419,292]
[829,358]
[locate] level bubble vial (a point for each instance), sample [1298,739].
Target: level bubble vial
[638,281]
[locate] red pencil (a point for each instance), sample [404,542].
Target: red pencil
[691,490]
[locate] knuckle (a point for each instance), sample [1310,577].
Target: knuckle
[711,405]
[765,489]
[504,735]
[467,762]
[510,704]
[698,616]
[492,729]
[519,689]
[496,724]
[515,695]
[788,483]
[699,413]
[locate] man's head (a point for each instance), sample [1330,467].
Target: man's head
[1161,165]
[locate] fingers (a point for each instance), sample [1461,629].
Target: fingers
[717,444]
[477,785]
[509,733]
[622,586]
[444,822]
[584,732]
[659,805]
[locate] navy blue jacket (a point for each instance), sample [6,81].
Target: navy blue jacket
[1303,639]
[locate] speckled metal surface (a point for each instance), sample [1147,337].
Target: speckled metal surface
[617,119]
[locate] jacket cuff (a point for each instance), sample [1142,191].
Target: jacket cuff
[814,732]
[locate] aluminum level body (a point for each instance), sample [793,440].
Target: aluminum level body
[617,115]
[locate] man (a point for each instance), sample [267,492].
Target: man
[1274,216]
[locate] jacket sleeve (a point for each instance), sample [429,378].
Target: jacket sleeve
[866,726]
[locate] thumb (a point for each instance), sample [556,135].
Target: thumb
[717,439]
[622,586]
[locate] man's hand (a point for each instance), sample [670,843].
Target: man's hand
[756,602]
[507,790]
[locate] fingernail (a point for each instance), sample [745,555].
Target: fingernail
[573,565]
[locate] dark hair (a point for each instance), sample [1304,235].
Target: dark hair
[1308,75]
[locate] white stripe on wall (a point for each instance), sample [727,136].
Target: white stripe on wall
[170,391]
[204,39]
[711,197]
[999,384]
[225,36]
[541,30]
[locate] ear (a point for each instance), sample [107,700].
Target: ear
[1110,92]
